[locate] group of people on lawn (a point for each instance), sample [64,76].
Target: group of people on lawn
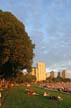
[30,92]
[45,94]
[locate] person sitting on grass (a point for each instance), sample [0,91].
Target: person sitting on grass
[27,87]
[45,94]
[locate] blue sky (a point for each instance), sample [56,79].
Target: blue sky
[48,23]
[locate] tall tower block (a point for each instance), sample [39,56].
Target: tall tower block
[41,71]
[65,74]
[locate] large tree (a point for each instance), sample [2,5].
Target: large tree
[16,47]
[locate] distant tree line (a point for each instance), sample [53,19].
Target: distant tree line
[58,79]
[24,78]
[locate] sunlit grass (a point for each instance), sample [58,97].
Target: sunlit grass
[17,97]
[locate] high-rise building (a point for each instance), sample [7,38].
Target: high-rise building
[39,71]
[59,74]
[48,74]
[52,74]
[33,70]
[64,74]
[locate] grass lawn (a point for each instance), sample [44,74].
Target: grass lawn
[17,97]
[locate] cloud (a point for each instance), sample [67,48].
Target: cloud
[48,23]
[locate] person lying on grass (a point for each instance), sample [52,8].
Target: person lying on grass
[52,97]
[31,92]
[60,98]
[55,98]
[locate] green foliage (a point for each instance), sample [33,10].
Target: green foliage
[24,78]
[16,48]
[29,78]
[59,79]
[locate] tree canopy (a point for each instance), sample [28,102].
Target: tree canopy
[16,47]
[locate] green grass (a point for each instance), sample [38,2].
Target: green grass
[17,97]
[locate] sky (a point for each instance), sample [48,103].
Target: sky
[48,23]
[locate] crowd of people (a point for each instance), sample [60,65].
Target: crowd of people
[45,93]
[28,89]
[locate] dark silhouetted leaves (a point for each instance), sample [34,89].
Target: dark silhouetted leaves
[16,48]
